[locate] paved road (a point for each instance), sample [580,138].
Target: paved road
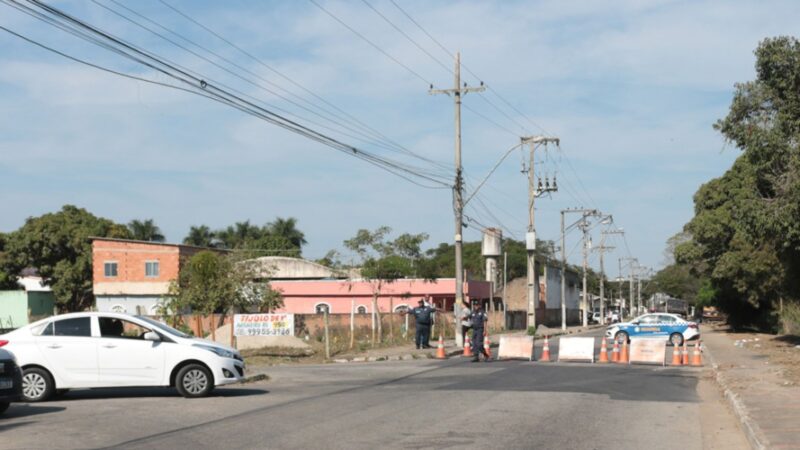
[408,404]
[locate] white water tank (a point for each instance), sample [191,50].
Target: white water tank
[492,242]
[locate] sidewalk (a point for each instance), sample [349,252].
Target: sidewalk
[764,401]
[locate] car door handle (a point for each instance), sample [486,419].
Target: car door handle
[109,346]
[53,346]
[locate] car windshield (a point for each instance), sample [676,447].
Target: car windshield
[164,327]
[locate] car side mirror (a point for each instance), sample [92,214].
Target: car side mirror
[152,336]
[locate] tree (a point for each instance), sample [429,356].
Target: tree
[7,280]
[200,236]
[287,228]
[384,261]
[58,245]
[745,235]
[145,230]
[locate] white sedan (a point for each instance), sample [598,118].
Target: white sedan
[93,350]
[668,326]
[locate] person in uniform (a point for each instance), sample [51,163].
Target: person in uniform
[479,320]
[423,315]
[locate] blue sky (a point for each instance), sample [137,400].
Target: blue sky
[632,88]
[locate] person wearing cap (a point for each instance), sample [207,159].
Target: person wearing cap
[479,320]
[423,315]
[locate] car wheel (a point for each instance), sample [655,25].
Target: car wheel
[37,385]
[676,339]
[4,407]
[194,381]
[621,337]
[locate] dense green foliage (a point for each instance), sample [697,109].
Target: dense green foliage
[58,246]
[278,238]
[745,235]
[145,230]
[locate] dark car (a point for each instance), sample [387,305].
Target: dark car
[10,380]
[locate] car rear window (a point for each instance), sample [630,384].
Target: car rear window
[79,326]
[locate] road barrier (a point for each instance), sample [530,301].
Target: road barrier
[515,347]
[576,349]
[648,351]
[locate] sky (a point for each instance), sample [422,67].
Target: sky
[631,88]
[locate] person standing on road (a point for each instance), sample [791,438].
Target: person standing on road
[466,323]
[479,320]
[423,315]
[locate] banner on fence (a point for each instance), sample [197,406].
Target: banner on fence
[263,324]
[512,347]
[648,351]
[576,349]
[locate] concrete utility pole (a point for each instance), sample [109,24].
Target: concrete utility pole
[631,262]
[584,226]
[602,249]
[458,189]
[530,236]
[585,212]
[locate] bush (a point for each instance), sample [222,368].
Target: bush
[790,319]
[531,331]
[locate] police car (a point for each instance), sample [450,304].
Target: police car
[670,326]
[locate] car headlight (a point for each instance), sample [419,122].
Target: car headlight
[219,351]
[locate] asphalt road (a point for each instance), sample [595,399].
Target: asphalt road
[406,404]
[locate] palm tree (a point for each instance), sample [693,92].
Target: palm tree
[200,236]
[145,230]
[287,228]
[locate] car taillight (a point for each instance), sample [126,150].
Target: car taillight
[692,325]
[3,342]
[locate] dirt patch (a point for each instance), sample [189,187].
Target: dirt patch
[781,351]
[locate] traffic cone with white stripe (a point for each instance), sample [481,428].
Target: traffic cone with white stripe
[623,355]
[676,356]
[440,354]
[545,351]
[615,352]
[467,347]
[685,355]
[603,351]
[697,359]
[487,346]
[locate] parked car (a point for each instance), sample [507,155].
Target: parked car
[92,350]
[595,317]
[10,379]
[670,326]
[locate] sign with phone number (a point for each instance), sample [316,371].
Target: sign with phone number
[263,324]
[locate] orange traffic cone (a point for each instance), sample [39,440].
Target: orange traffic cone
[487,346]
[685,356]
[697,359]
[603,351]
[440,354]
[615,352]
[545,351]
[676,356]
[467,348]
[623,355]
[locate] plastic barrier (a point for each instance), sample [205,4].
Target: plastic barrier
[515,347]
[647,351]
[576,349]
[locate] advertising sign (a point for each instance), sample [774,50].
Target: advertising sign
[648,351]
[515,347]
[576,349]
[263,324]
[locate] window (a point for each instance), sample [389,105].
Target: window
[118,309]
[322,308]
[666,319]
[151,269]
[80,326]
[361,309]
[110,269]
[649,319]
[117,328]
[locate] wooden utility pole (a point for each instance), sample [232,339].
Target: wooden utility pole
[458,190]
[530,237]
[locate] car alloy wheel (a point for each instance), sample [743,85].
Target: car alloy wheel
[195,381]
[36,385]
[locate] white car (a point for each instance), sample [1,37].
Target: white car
[669,326]
[93,350]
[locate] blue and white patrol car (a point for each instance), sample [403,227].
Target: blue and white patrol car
[670,326]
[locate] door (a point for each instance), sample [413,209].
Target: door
[70,351]
[125,358]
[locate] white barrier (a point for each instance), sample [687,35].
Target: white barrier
[576,349]
[648,351]
[515,347]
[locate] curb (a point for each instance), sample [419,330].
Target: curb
[750,427]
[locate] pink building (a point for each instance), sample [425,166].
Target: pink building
[339,296]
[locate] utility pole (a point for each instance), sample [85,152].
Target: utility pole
[621,297]
[585,212]
[530,236]
[631,262]
[584,226]
[458,190]
[602,249]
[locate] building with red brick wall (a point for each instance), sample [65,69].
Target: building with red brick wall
[132,276]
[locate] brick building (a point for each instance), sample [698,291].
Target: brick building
[132,276]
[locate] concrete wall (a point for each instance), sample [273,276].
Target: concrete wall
[553,288]
[284,268]
[131,304]
[19,308]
